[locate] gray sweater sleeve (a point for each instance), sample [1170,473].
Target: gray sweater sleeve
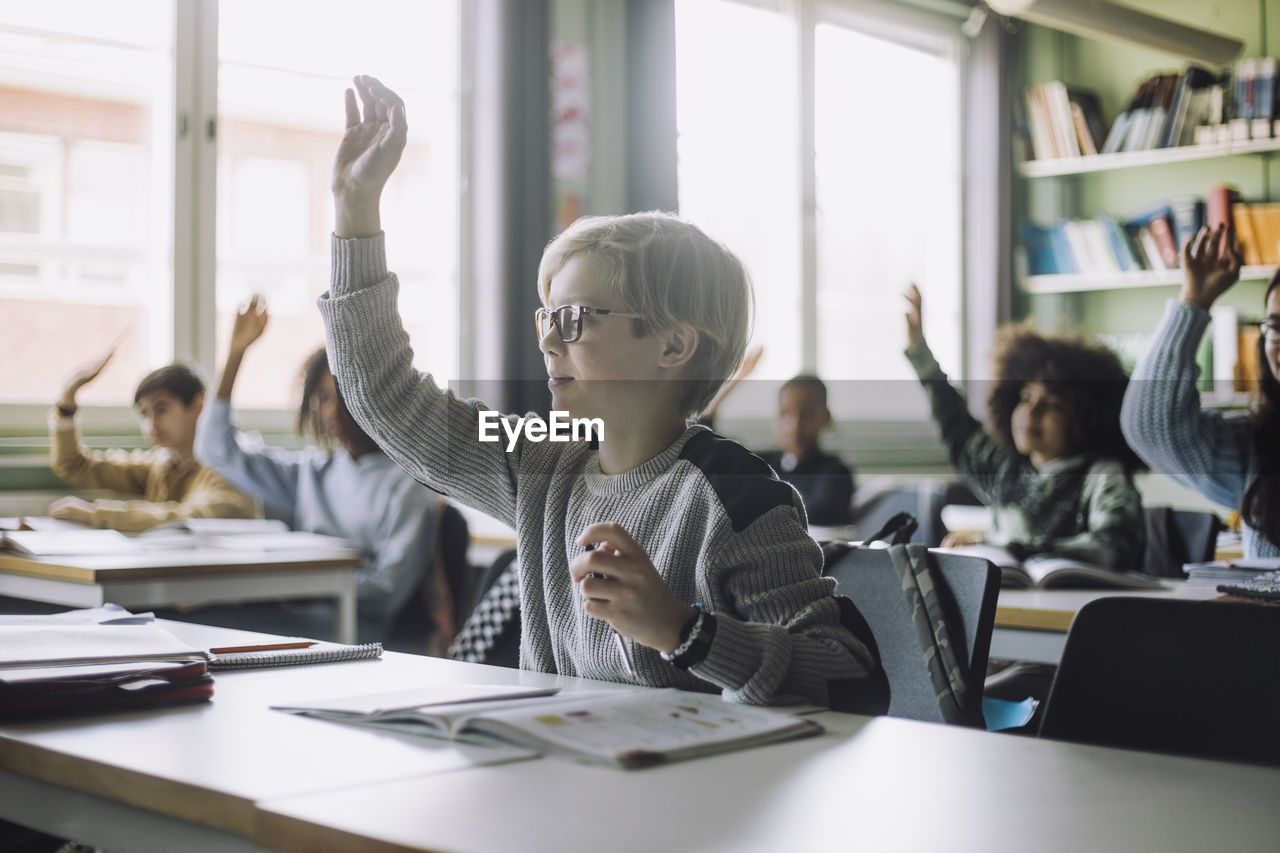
[1163,422]
[784,641]
[429,433]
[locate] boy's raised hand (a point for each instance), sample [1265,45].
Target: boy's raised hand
[249,324]
[369,152]
[619,584]
[914,315]
[81,378]
[1210,266]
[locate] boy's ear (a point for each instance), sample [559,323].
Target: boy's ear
[679,343]
[197,403]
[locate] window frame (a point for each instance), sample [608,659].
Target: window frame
[190,301]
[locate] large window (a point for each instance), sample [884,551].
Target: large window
[162,160]
[823,146]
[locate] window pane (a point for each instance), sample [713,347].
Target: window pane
[739,168]
[888,205]
[280,114]
[86,152]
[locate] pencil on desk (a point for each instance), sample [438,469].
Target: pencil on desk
[266,647]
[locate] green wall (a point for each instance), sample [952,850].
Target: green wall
[1114,70]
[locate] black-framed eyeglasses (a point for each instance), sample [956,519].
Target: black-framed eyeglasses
[567,320]
[1270,330]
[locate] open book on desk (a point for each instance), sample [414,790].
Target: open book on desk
[1046,571]
[616,728]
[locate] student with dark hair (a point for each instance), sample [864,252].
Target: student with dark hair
[1233,460]
[1052,464]
[346,487]
[166,478]
[824,482]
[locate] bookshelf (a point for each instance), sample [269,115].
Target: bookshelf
[1125,306]
[1081,283]
[1067,166]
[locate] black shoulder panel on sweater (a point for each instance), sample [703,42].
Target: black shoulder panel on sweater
[744,483]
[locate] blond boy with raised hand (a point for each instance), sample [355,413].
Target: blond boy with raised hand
[663,553]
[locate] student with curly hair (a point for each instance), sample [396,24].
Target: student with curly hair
[1053,465]
[1231,460]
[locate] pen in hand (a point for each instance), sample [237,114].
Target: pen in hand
[618,640]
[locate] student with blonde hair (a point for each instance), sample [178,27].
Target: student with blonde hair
[659,553]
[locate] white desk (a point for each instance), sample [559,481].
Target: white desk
[1032,624]
[870,784]
[233,775]
[147,579]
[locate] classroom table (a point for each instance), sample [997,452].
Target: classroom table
[233,775]
[202,575]
[1031,624]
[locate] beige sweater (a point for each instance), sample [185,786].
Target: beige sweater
[168,490]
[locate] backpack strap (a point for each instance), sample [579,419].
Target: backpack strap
[941,637]
[897,530]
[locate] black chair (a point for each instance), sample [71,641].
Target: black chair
[970,586]
[416,628]
[1195,678]
[1177,536]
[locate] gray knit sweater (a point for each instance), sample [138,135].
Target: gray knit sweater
[1202,449]
[719,526]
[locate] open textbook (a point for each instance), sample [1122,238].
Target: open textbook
[617,728]
[1046,571]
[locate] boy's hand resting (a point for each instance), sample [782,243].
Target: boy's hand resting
[620,585]
[72,508]
[249,324]
[914,315]
[1209,268]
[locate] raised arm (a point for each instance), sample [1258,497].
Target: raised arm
[270,474]
[1161,416]
[248,326]
[974,454]
[432,435]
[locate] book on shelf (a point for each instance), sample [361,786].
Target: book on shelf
[1218,206]
[1046,571]
[616,728]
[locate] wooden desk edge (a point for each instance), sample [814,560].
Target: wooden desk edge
[1036,619]
[49,569]
[277,831]
[203,806]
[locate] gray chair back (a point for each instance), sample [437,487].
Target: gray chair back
[969,589]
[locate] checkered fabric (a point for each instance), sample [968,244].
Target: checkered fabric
[490,618]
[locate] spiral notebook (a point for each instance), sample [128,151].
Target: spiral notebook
[319,653]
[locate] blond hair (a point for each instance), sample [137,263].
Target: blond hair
[669,272]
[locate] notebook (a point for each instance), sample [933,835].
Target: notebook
[318,653]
